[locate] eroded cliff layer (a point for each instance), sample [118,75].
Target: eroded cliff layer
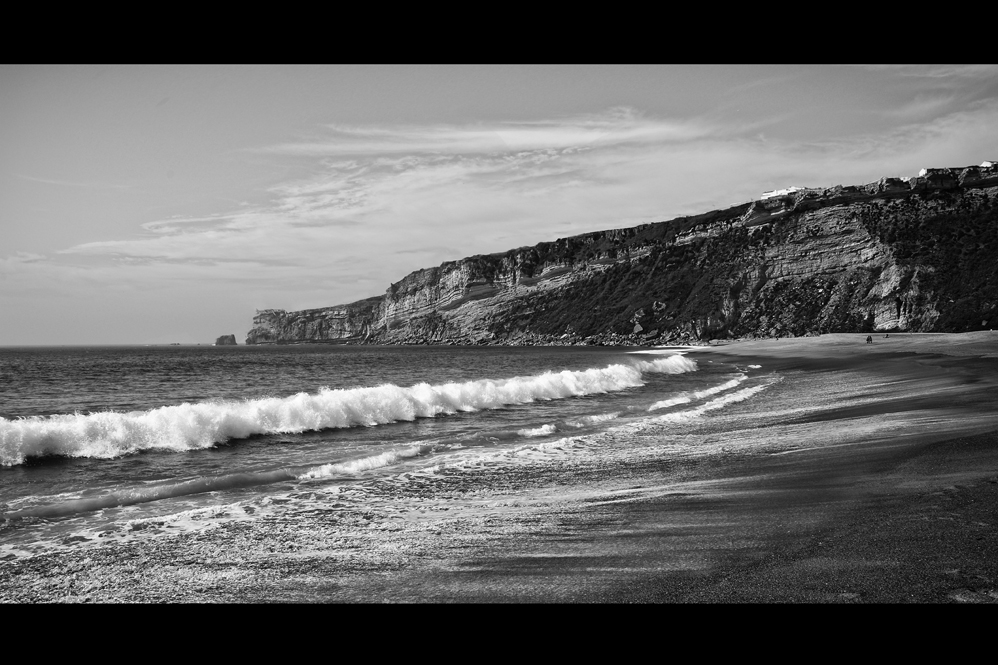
[338,324]
[896,254]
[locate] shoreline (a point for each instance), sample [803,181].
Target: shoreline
[887,494]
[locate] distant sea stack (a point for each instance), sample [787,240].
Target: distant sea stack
[900,254]
[226,340]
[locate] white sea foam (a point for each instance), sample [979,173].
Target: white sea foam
[351,467]
[672,401]
[700,394]
[531,452]
[543,430]
[204,424]
[585,421]
[686,398]
[147,493]
[717,403]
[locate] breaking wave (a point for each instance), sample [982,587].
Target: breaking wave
[543,430]
[204,424]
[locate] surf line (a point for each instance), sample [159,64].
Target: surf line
[204,424]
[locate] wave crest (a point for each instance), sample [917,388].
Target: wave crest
[204,424]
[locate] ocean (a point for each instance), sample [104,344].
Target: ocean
[101,442]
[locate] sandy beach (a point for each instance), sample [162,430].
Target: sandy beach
[861,473]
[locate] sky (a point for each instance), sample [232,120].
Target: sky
[159,204]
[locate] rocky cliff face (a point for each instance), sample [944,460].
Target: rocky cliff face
[896,254]
[339,324]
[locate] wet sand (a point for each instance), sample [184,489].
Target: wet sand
[867,473]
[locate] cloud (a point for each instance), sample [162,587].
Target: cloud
[939,71]
[379,202]
[25,257]
[69,183]
[405,186]
[616,126]
[922,106]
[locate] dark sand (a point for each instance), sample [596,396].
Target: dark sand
[867,473]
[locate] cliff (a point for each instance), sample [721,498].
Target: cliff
[897,254]
[339,324]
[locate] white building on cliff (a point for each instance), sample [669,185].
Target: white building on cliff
[780,192]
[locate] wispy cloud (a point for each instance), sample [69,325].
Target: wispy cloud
[939,71]
[392,189]
[26,257]
[922,106]
[69,183]
[617,126]
[379,202]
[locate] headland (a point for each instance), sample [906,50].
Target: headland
[899,254]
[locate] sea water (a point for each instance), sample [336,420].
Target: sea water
[93,435]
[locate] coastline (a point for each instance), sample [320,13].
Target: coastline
[869,473]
